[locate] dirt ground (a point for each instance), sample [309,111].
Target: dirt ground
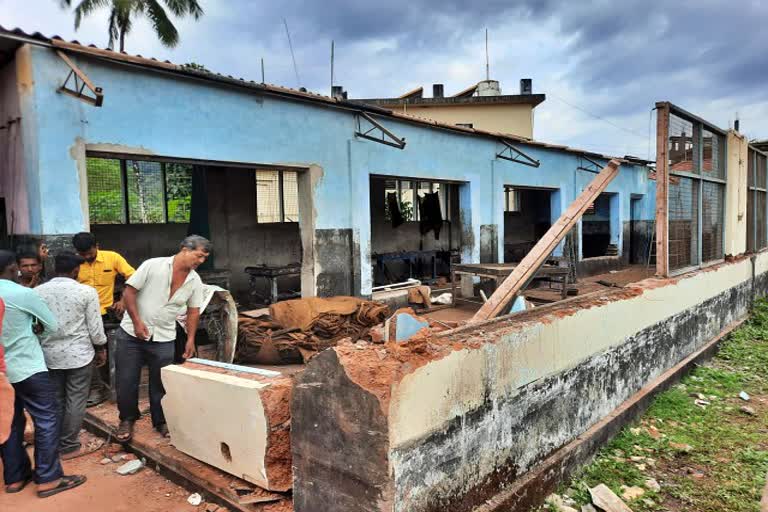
[105,490]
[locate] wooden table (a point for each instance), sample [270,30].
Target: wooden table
[499,271]
[271,274]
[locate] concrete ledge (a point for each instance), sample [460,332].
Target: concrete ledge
[532,488]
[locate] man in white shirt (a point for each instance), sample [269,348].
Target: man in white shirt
[69,350]
[159,291]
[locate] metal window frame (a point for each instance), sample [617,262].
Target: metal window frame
[123,162]
[754,190]
[699,178]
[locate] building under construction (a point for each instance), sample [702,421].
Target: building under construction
[571,280]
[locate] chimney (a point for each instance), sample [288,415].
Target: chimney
[337,91]
[526,86]
[437,90]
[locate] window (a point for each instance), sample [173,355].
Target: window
[122,191]
[408,191]
[756,201]
[511,199]
[696,192]
[277,196]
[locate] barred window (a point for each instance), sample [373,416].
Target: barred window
[696,192]
[410,191]
[124,191]
[277,196]
[756,201]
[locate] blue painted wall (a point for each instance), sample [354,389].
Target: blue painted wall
[178,117]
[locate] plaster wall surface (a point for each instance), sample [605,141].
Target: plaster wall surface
[157,114]
[736,194]
[512,119]
[497,399]
[15,81]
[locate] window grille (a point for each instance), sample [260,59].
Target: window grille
[277,196]
[756,201]
[105,191]
[138,191]
[696,192]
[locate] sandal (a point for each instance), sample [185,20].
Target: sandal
[66,483]
[124,431]
[9,489]
[163,429]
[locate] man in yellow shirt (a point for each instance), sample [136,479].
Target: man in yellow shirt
[100,271]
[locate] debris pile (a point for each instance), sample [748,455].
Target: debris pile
[296,330]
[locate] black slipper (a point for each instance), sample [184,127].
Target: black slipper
[24,483]
[67,483]
[124,431]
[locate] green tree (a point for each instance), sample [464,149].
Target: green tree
[123,12]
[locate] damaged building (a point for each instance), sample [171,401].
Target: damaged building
[636,271]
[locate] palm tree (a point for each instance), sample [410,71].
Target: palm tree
[122,12]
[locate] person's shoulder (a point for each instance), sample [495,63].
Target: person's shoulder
[111,255]
[196,277]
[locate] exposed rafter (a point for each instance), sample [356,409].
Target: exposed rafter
[591,165]
[513,154]
[77,82]
[386,136]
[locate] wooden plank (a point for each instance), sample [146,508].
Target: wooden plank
[662,189]
[528,267]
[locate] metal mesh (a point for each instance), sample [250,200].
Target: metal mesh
[178,184]
[762,226]
[145,192]
[756,202]
[683,223]
[267,196]
[290,196]
[105,191]
[712,209]
[713,156]
[681,147]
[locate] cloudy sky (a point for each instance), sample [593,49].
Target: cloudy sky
[602,65]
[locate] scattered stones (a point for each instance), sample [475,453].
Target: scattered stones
[606,500]
[652,485]
[631,493]
[131,467]
[117,457]
[648,503]
[588,508]
[654,432]
[105,461]
[635,431]
[195,499]
[702,403]
[744,396]
[695,473]
[747,410]
[681,447]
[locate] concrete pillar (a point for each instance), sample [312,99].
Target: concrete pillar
[736,194]
[307,181]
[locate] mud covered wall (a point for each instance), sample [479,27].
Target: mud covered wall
[469,413]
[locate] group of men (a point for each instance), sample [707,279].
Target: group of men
[53,338]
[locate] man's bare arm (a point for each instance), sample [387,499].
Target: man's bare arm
[132,308]
[193,319]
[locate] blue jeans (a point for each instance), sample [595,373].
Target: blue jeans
[131,355]
[36,394]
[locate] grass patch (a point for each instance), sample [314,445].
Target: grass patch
[709,458]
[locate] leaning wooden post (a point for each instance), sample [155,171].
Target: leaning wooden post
[527,268]
[662,189]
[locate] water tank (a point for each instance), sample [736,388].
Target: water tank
[489,88]
[526,86]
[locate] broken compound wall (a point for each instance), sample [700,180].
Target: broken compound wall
[445,425]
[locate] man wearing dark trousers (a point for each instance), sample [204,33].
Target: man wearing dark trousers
[71,349]
[159,291]
[99,271]
[35,390]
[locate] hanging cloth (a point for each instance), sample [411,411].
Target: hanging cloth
[431,218]
[393,205]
